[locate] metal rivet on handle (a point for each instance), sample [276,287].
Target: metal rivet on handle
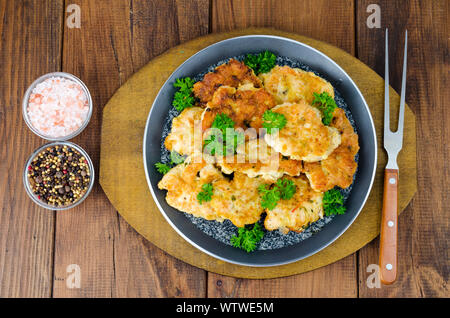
[392,180]
[388,267]
[390,224]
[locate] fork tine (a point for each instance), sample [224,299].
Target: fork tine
[401,113]
[386,87]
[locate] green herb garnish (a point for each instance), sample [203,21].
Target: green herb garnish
[282,189]
[270,197]
[206,193]
[333,202]
[262,62]
[326,104]
[162,167]
[222,122]
[287,188]
[273,120]
[176,158]
[183,98]
[247,238]
[225,139]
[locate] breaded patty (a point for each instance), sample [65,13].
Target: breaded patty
[292,84]
[185,181]
[237,200]
[181,138]
[233,73]
[245,106]
[338,169]
[304,137]
[255,158]
[298,212]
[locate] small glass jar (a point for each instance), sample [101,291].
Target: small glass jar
[27,184]
[29,91]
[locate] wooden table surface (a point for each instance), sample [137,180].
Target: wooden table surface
[118,37]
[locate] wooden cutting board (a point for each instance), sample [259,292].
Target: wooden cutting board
[122,171]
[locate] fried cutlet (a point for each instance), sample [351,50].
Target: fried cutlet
[255,158]
[233,73]
[245,106]
[182,138]
[291,85]
[237,200]
[298,212]
[338,169]
[304,137]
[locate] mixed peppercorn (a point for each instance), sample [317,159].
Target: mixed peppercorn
[59,175]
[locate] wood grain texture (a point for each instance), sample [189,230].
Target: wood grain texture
[327,20]
[315,283]
[115,39]
[423,267]
[124,119]
[30,33]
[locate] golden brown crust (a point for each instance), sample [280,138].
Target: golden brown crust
[233,73]
[304,136]
[244,106]
[256,158]
[181,137]
[292,84]
[338,169]
[185,181]
[237,200]
[297,213]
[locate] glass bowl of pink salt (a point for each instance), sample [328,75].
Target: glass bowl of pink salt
[57,106]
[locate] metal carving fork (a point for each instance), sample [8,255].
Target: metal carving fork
[393,144]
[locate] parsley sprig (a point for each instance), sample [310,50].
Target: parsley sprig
[206,194]
[286,187]
[326,104]
[183,98]
[225,139]
[282,189]
[273,120]
[333,202]
[262,62]
[162,167]
[175,159]
[247,238]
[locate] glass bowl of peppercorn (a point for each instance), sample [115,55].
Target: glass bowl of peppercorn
[59,175]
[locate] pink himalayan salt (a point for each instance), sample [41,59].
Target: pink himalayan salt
[57,107]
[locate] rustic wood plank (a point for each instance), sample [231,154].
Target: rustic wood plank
[310,18]
[30,39]
[311,284]
[115,39]
[423,242]
[327,20]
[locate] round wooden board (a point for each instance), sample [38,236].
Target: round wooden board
[122,171]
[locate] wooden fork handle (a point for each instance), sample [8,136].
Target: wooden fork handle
[388,236]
